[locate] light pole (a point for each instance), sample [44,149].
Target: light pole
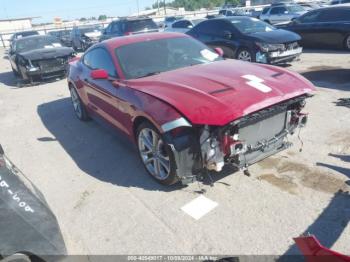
[138,8]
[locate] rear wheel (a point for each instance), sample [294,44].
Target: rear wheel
[347,43]
[78,105]
[156,156]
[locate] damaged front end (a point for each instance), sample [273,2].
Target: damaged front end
[240,143]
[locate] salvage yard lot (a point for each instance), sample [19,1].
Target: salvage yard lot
[105,202]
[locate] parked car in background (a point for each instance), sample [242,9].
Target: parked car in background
[338,2]
[185,107]
[281,13]
[18,35]
[39,57]
[83,37]
[324,27]
[63,35]
[169,20]
[310,5]
[129,26]
[248,39]
[183,25]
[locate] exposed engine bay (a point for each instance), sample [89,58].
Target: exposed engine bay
[240,143]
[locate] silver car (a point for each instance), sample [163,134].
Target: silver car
[281,13]
[183,25]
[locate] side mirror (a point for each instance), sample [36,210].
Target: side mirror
[219,51]
[227,34]
[99,74]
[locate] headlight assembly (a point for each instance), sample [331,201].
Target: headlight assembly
[264,47]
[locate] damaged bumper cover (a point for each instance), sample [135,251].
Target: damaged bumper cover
[240,143]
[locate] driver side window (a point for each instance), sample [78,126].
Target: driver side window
[99,58]
[310,17]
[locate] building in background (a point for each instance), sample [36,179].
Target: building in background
[16,24]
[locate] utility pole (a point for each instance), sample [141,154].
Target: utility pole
[158,6]
[138,8]
[164,8]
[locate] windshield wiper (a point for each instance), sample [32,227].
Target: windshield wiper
[149,74]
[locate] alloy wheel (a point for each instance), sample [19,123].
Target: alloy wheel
[76,102]
[347,42]
[244,55]
[153,153]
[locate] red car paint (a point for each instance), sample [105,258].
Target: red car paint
[211,94]
[313,251]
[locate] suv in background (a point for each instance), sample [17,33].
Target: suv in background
[280,13]
[129,26]
[83,37]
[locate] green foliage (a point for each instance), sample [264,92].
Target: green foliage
[192,5]
[102,17]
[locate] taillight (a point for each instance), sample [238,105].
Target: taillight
[231,145]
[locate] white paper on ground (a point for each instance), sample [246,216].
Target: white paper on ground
[198,207]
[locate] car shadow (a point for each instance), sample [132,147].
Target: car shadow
[343,170]
[328,227]
[329,77]
[8,79]
[101,152]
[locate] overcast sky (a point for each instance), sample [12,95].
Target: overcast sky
[69,9]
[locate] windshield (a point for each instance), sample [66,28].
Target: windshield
[295,8]
[84,30]
[32,43]
[251,25]
[139,25]
[156,56]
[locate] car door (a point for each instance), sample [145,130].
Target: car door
[331,30]
[12,55]
[278,14]
[102,94]
[308,27]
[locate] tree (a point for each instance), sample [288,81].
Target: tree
[82,19]
[102,17]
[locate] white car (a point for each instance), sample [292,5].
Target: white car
[183,25]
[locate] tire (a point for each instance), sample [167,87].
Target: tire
[245,54]
[157,158]
[79,107]
[15,72]
[228,52]
[267,21]
[347,43]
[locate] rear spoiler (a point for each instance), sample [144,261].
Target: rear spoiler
[313,251]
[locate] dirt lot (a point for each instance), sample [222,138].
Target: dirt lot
[105,202]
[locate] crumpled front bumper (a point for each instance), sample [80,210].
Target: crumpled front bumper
[277,57]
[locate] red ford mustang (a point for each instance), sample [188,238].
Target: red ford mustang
[187,109]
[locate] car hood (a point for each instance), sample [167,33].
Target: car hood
[276,36]
[46,53]
[220,92]
[93,34]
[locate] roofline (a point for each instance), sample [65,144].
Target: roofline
[20,18]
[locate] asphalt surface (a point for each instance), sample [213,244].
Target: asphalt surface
[105,203]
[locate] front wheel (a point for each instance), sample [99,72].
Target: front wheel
[156,156]
[245,55]
[347,43]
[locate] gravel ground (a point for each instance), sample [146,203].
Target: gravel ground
[106,204]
